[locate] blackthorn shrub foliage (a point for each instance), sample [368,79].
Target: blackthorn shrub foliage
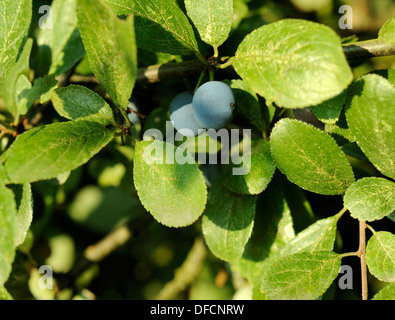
[90,170]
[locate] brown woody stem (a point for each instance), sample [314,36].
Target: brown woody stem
[368,49]
[162,72]
[362,257]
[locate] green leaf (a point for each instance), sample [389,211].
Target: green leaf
[15,17]
[329,111]
[45,152]
[387,293]
[240,11]
[294,63]
[37,291]
[79,103]
[370,198]
[387,31]
[380,256]
[91,206]
[161,26]
[285,231]
[8,225]
[24,205]
[4,294]
[320,236]
[371,118]
[300,276]
[273,227]
[21,67]
[26,94]
[228,221]
[111,48]
[43,88]
[310,158]
[22,87]
[301,210]
[175,194]
[212,18]
[248,103]
[62,251]
[121,7]
[60,47]
[310,5]
[258,165]
[388,74]
[157,119]
[202,143]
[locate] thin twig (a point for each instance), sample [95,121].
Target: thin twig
[104,247]
[368,49]
[185,274]
[76,78]
[172,70]
[166,71]
[362,257]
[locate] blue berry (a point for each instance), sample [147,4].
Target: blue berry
[181,113]
[214,104]
[133,116]
[180,100]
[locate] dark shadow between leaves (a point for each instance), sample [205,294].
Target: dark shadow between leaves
[43,61]
[269,211]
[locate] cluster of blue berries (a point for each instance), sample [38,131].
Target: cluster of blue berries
[211,107]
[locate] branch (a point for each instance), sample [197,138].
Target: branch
[362,256]
[110,243]
[96,253]
[368,49]
[102,249]
[161,72]
[185,274]
[167,71]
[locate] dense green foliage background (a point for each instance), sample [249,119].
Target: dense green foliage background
[81,207]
